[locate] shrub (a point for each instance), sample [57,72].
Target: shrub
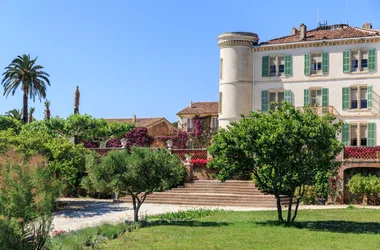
[27,194]
[366,186]
[310,195]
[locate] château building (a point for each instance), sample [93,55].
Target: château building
[333,68]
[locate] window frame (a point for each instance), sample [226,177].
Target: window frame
[360,52]
[358,138]
[277,58]
[359,89]
[276,92]
[310,99]
[316,71]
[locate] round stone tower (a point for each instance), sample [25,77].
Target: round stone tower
[236,75]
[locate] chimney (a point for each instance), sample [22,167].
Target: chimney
[134,118]
[190,104]
[303,31]
[367,26]
[295,31]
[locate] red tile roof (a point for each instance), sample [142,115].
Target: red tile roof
[140,122]
[338,31]
[199,108]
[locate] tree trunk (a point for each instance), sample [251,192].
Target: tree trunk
[288,220]
[136,207]
[279,208]
[25,108]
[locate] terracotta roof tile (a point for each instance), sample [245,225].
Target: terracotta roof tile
[331,32]
[140,122]
[198,108]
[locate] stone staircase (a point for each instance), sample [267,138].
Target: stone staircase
[215,193]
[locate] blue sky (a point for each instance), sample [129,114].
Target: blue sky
[149,58]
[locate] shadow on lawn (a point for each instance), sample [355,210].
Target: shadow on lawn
[187,223]
[336,226]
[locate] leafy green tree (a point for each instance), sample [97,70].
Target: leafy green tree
[284,149]
[138,172]
[87,128]
[7,122]
[23,73]
[15,114]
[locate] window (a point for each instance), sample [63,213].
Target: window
[358,60]
[272,66]
[214,124]
[354,61]
[316,63]
[189,144]
[354,135]
[221,68]
[359,97]
[275,96]
[189,125]
[359,134]
[276,66]
[316,97]
[220,102]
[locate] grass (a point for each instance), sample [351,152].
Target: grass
[90,237]
[314,229]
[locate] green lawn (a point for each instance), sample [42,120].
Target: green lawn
[314,229]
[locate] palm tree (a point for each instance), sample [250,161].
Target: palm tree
[23,73]
[31,112]
[47,110]
[15,114]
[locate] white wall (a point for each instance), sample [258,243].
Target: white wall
[334,81]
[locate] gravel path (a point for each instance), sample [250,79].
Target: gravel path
[80,213]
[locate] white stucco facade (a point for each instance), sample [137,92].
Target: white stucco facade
[242,83]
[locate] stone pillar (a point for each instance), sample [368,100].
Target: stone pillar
[189,172]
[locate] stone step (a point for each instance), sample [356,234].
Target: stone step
[217,203]
[219,190]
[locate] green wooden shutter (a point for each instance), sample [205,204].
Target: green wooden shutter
[346,134]
[307,64]
[264,101]
[347,61]
[325,97]
[345,98]
[325,63]
[265,66]
[371,134]
[288,96]
[372,59]
[288,65]
[369,97]
[306,97]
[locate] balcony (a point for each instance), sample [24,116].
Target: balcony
[319,110]
[362,153]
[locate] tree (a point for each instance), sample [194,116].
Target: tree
[7,122]
[15,114]
[284,150]
[31,112]
[87,128]
[47,110]
[138,172]
[23,73]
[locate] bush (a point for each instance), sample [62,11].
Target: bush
[366,186]
[310,196]
[27,194]
[90,237]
